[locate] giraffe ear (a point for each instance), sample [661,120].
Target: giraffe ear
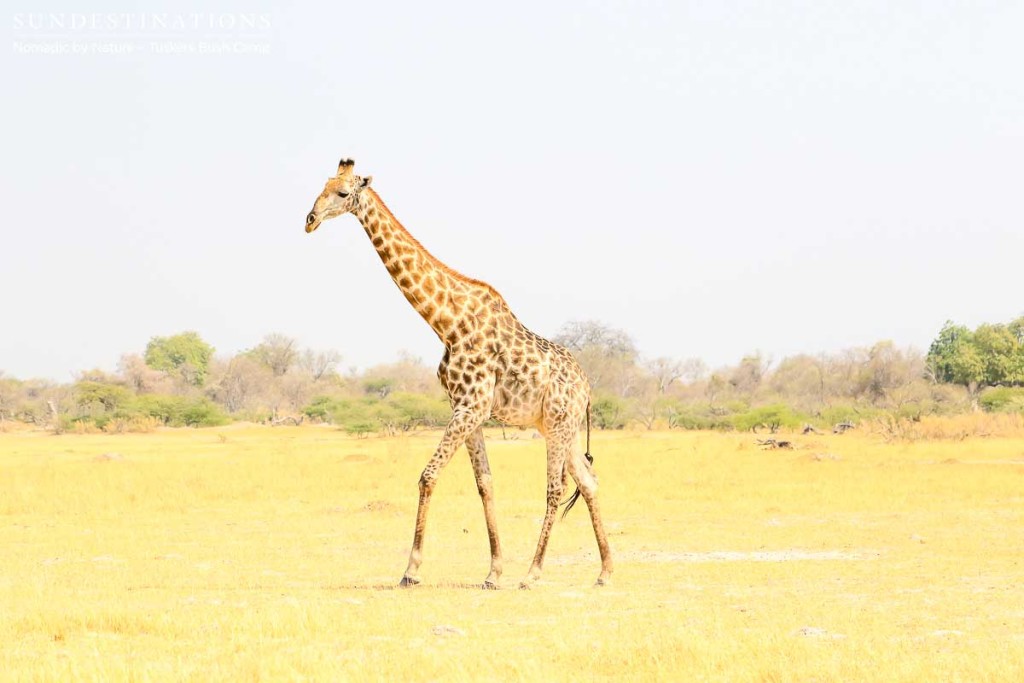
[345,166]
[367,180]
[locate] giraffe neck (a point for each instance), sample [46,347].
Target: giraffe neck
[447,300]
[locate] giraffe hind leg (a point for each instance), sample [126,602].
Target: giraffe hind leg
[571,501]
[579,467]
[558,451]
[482,472]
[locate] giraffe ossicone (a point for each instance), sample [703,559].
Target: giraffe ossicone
[493,366]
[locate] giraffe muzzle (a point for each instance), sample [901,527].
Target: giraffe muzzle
[311,222]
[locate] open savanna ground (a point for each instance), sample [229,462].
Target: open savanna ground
[257,553]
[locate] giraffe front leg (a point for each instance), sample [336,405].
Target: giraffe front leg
[463,423]
[557,453]
[482,472]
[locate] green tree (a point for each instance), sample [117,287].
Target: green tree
[953,357]
[609,411]
[185,355]
[1017,330]
[108,396]
[998,350]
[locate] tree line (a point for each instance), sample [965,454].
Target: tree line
[179,380]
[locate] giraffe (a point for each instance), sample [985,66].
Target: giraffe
[493,366]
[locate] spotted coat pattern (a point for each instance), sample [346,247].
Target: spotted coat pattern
[493,366]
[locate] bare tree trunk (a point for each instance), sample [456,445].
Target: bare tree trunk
[55,417]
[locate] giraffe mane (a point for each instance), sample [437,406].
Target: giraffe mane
[441,265]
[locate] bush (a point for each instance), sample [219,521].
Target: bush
[355,415]
[1003,400]
[772,416]
[114,409]
[419,410]
[347,411]
[319,409]
[101,396]
[254,415]
[175,411]
[399,412]
[609,412]
[693,420]
[139,424]
[203,413]
[360,427]
[695,416]
[166,409]
[833,415]
[379,386]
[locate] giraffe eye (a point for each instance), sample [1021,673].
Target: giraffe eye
[342,194]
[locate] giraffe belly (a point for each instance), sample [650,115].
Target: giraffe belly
[518,406]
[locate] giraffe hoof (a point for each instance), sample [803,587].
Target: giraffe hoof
[600,583]
[408,582]
[490,586]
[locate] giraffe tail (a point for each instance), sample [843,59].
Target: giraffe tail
[590,461]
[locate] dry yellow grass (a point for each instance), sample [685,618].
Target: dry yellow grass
[249,553]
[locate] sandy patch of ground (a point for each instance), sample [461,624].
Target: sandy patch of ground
[787,555]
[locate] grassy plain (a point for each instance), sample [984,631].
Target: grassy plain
[270,554]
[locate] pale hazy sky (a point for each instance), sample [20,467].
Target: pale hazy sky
[713,177]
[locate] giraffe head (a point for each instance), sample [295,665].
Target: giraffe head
[339,195]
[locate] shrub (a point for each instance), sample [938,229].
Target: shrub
[103,396]
[1003,400]
[696,416]
[345,411]
[166,409]
[254,415]
[419,410]
[203,413]
[319,409]
[772,416]
[360,427]
[379,386]
[833,415]
[139,424]
[398,412]
[609,412]
[175,411]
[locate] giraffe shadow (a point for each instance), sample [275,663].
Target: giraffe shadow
[380,587]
